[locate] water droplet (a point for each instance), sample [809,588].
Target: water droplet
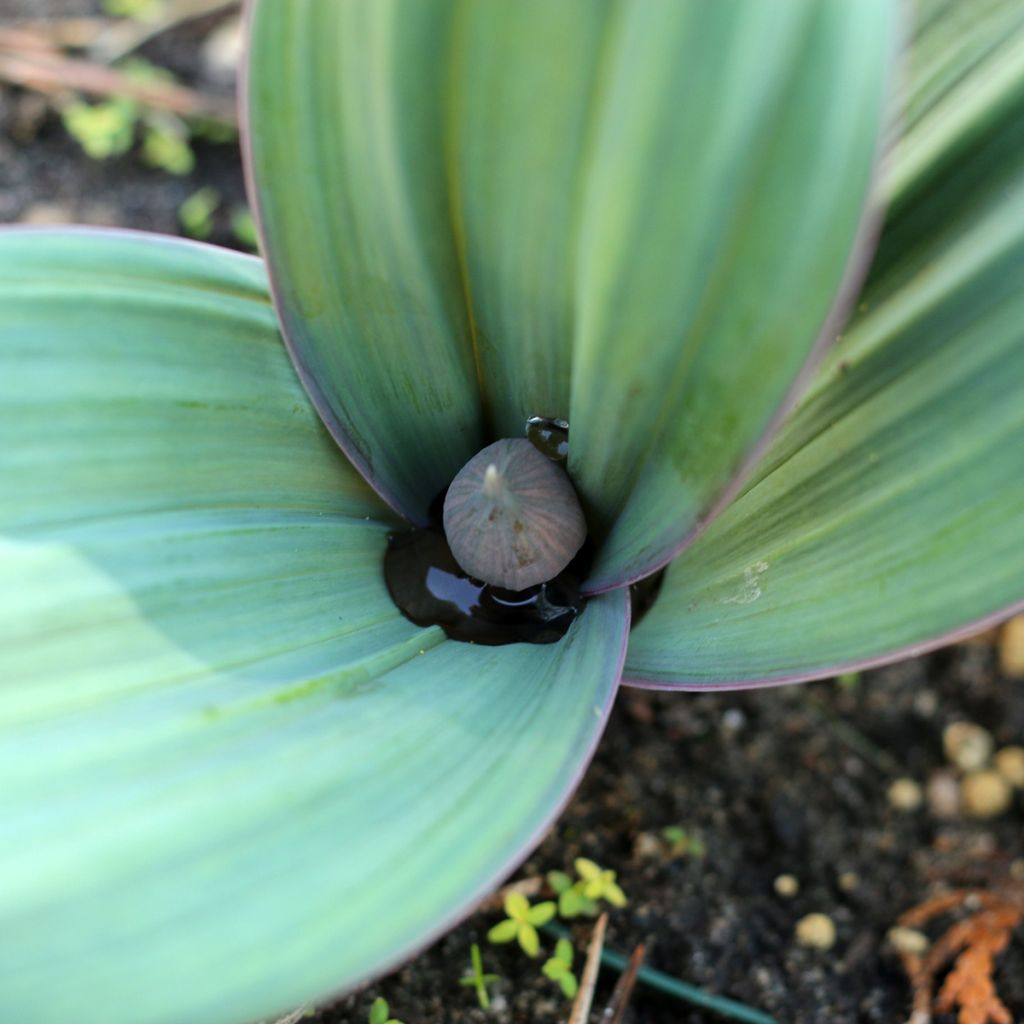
[550,436]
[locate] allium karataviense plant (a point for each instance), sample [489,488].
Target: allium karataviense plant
[233,776]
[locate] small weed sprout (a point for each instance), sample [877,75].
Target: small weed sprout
[681,843]
[559,968]
[196,213]
[380,1012]
[243,227]
[477,979]
[581,898]
[521,923]
[102,129]
[138,9]
[598,883]
[571,901]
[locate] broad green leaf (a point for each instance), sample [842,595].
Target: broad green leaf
[524,99]
[889,513]
[964,74]
[730,160]
[647,223]
[232,777]
[962,142]
[351,185]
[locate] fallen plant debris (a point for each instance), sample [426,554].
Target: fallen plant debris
[28,60]
[971,944]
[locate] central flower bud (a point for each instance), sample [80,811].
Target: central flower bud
[511,516]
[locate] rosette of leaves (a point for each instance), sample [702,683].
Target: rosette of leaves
[521,923]
[233,777]
[593,883]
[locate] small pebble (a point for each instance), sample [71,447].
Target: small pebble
[848,881]
[816,931]
[905,795]
[986,794]
[1011,648]
[926,703]
[647,846]
[1009,763]
[967,745]
[47,213]
[733,720]
[222,49]
[943,792]
[786,885]
[908,940]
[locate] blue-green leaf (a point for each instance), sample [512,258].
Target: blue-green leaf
[888,515]
[232,777]
[350,184]
[730,170]
[646,210]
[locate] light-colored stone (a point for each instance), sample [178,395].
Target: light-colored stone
[47,213]
[943,793]
[905,795]
[908,940]
[786,885]
[1009,762]
[1011,648]
[816,931]
[848,881]
[647,846]
[985,794]
[222,50]
[967,745]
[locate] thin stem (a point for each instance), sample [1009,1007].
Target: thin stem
[661,982]
[581,1008]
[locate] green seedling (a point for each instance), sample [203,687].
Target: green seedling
[196,213]
[478,979]
[142,10]
[102,129]
[380,1012]
[682,843]
[559,968]
[165,145]
[108,128]
[598,883]
[522,922]
[571,901]
[243,227]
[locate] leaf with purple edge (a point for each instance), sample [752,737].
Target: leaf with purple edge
[715,233]
[878,528]
[349,185]
[892,498]
[230,734]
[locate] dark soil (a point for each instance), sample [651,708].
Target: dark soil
[785,781]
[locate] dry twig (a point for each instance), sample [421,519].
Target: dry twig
[971,944]
[30,61]
[616,1008]
[581,1008]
